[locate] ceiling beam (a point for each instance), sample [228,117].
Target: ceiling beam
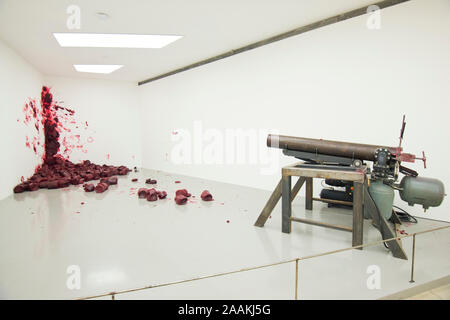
[281,36]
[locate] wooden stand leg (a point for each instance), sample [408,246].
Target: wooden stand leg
[358,214]
[286,204]
[309,193]
[273,200]
[268,208]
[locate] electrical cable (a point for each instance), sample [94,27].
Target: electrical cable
[404,216]
[326,186]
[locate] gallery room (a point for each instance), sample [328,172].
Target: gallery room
[224,150]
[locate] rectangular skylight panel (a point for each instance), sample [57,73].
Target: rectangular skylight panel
[106,40]
[97,68]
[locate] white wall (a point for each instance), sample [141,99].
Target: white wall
[18,81]
[112,112]
[341,82]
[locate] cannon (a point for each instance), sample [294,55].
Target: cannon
[387,164]
[369,173]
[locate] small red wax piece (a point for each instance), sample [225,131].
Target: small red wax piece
[162,194]
[88,187]
[142,193]
[183,192]
[206,196]
[180,199]
[101,187]
[152,195]
[112,180]
[19,188]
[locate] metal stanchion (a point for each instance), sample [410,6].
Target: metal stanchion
[296,279]
[412,258]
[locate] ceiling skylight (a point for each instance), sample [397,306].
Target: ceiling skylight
[106,40]
[97,68]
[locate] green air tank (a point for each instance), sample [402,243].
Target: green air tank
[383,196]
[419,190]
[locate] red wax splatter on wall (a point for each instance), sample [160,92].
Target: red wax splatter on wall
[56,171]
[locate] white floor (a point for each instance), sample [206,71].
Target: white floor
[121,242]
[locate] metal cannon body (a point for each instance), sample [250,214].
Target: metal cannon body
[328,147]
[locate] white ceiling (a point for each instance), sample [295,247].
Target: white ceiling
[209,27]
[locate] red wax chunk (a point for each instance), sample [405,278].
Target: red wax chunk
[76,180]
[101,187]
[54,184]
[88,187]
[19,188]
[43,184]
[162,194]
[183,192]
[33,186]
[152,195]
[150,181]
[181,199]
[112,180]
[206,196]
[142,193]
[134,180]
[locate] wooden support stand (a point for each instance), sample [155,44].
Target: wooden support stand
[306,174]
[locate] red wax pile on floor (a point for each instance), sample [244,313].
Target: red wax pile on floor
[56,171]
[62,173]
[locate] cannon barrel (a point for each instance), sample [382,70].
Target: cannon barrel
[327,147]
